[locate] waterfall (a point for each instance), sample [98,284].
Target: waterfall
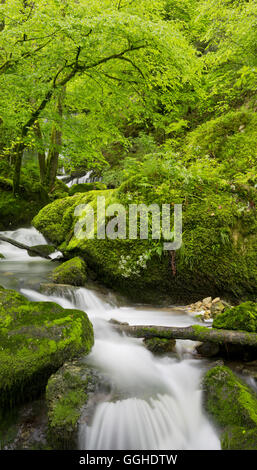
[157,401]
[81,180]
[28,236]
[161,400]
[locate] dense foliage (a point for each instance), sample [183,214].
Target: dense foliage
[158,99]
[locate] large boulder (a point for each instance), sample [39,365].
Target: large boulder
[218,256]
[243,317]
[36,339]
[73,272]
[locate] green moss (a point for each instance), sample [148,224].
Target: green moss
[228,399]
[230,138]
[73,272]
[239,438]
[85,187]
[160,345]
[36,338]
[66,394]
[243,317]
[1,256]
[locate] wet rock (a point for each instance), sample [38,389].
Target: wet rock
[208,349]
[25,428]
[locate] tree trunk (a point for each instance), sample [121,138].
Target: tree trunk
[56,144]
[194,333]
[41,156]
[33,250]
[18,152]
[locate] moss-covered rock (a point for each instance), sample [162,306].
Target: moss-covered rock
[36,339]
[228,400]
[73,272]
[239,438]
[1,256]
[85,187]
[243,317]
[67,393]
[160,346]
[218,255]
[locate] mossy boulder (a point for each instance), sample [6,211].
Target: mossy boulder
[229,400]
[67,393]
[160,346]
[218,256]
[243,317]
[73,272]
[36,339]
[85,187]
[239,438]
[1,256]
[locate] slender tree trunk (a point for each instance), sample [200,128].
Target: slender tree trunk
[56,144]
[18,152]
[41,156]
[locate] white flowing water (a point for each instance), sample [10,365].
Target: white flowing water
[159,402]
[81,180]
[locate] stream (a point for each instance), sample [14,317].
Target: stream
[161,399]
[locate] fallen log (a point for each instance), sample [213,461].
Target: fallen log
[194,333]
[30,249]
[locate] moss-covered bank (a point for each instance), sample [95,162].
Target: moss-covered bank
[36,339]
